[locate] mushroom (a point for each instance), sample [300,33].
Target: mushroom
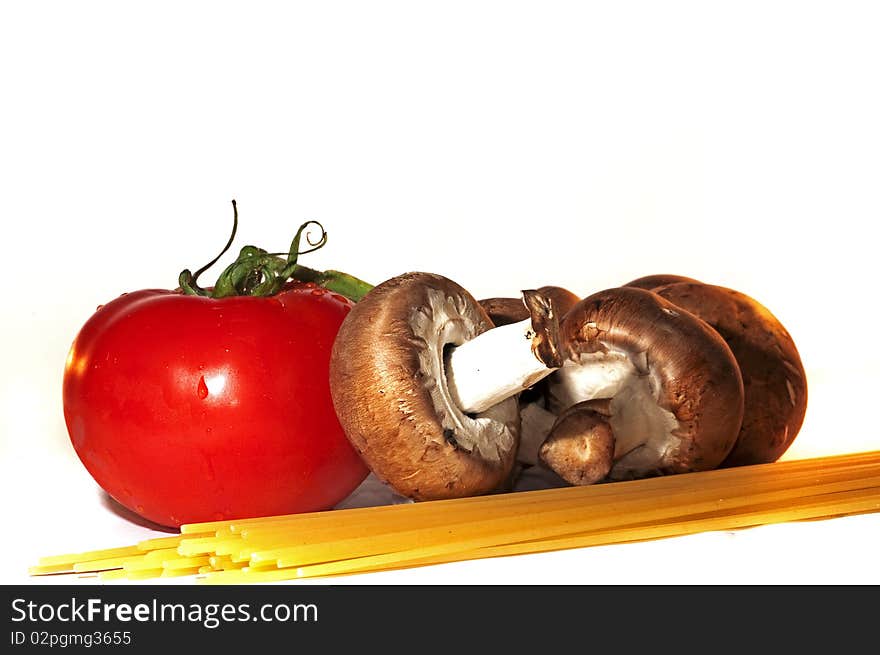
[425,388]
[773,376]
[580,445]
[536,421]
[651,282]
[673,390]
[504,311]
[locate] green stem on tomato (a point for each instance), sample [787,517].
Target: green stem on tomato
[259,273]
[254,273]
[189,281]
[342,283]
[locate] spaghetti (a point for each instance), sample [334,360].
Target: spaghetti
[346,541]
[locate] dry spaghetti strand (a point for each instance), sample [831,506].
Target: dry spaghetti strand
[844,503]
[341,542]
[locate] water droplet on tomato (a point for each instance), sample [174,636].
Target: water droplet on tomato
[309,285]
[319,291]
[339,298]
[139,509]
[207,430]
[98,308]
[219,516]
[202,389]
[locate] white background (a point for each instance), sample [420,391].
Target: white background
[505,145]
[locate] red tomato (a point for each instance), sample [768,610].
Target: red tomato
[188,408]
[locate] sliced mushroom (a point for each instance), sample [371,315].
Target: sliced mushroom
[674,390]
[409,374]
[773,376]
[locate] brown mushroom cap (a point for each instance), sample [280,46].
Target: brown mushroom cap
[580,445]
[651,282]
[773,376]
[504,311]
[389,389]
[690,372]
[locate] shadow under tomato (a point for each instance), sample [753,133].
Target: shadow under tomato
[123,512]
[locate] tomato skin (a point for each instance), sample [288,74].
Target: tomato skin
[187,408]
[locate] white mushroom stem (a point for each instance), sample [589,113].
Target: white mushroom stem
[597,375]
[493,366]
[536,423]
